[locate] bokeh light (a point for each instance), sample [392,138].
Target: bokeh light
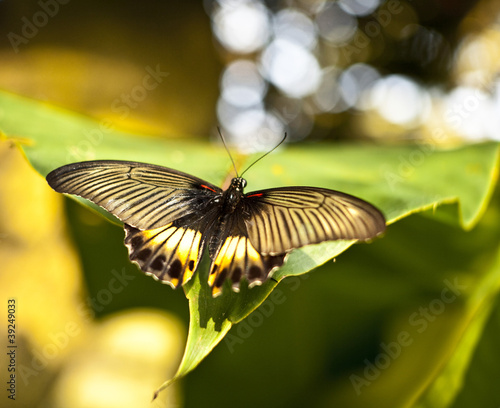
[473,113]
[336,25]
[128,357]
[328,97]
[253,129]
[291,68]
[399,100]
[242,85]
[296,27]
[320,57]
[241,26]
[359,7]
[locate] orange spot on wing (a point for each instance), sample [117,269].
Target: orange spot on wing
[208,188]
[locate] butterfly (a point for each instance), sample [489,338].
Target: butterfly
[170,218]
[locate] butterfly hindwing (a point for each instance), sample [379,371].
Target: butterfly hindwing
[170,253]
[237,258]
[234,257]
[281,219]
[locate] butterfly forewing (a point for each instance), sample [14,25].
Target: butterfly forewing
[142,195]
[281,219]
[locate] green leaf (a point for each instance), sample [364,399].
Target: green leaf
[484,371]
[429,287]
[399,180]
[469,329]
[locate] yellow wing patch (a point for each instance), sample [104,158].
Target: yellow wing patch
[170,254]
[237,258]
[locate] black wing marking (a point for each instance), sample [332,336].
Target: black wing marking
[235,257]
[281,219]
[170,253]
[142,195]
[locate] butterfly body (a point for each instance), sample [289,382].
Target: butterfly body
[233,195]
[170,218]
[229,200]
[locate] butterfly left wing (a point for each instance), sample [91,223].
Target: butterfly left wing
[166,213]
[145,196]
[170,254]
[281,219]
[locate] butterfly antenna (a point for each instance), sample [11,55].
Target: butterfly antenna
[264,155]
[227,150]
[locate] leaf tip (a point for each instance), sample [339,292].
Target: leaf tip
[155,395]
[162,387]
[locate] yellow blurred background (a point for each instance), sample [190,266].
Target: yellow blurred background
[65,357]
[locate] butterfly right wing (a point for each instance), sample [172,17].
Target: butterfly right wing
[281,219]
[141,195]
[234,257]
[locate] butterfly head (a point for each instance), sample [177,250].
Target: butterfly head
[234,193]
[238,184]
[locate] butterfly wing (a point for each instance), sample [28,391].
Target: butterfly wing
[281,219]
[169,216]
[170,253]
[166,213]
[234,257]
[142,195]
